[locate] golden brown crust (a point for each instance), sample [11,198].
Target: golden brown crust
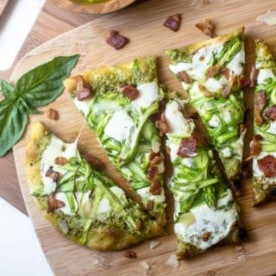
[101,236]
[37,139]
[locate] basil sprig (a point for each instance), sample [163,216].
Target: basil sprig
[38,87]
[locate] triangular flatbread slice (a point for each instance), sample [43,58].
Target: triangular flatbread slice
[211,73]
[81,201]
[205,212]
[263,144]
[118,103]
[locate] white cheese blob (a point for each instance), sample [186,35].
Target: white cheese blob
[120,126]
[148,94]
[147,196]
[214,121]
[105,106]
[82,106]
[177,124]
[216,221]
[237,62]
[56,148]
[66,209]
[265,74]
[272,127]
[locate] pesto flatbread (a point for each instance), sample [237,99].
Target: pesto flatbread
[263,144]
[81,201]
[205,212]
[118,103]
[211,73]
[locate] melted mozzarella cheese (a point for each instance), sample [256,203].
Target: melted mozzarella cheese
[216,221]
[178,125]
[237,62]
[120,126]
[82,106]
[265,74]
[56,148]
[272,127]
[214,121]
[148,94]
[105,106]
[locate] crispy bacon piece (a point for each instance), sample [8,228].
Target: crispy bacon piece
[253,77]
[255,145]
[205,236]
[183,76]
[187,147]
[130,91]
[130,254]
[173,22]
[244,81]
[116,40]
[271,113]
[52,174]
[52,114]
[205,91]
[153,174]
[83,89]
[268,165]
[60,160]
[207,27]
[259,104]
[54,203]
[213,71]
[162,124]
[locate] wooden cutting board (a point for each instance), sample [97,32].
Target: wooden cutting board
[143,24]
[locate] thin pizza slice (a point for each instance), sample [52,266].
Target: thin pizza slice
[263,144]
[205,212]
[211,74]
[80,200]
[118,103]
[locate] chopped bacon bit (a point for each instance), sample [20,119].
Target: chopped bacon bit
[259,104]
[173,22]
[83,89]
[207,27]
[183,76]
[255,145]
[205,236]
[260,100]
[187,147]
[253,77]
[155,186]
[268,165]
[131,92]
[271,113]
[214,70]
[162,124]
[52,174]
[60,160]
[116,40]
[52,114]
[54,203]
[244,81]
[152,172]
[130,254]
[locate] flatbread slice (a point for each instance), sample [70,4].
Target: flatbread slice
[263,144]
[81,201]
[205,211]
[211,74]
[118,103]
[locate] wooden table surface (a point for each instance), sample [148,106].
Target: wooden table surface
[51,22]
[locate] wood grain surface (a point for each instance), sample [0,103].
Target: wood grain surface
[143,25]
[98,8]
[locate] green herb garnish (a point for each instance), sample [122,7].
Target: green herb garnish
[38,87]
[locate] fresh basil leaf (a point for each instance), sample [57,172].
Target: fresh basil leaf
[38,87]
[44,84]
[7,89]
[13,121]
